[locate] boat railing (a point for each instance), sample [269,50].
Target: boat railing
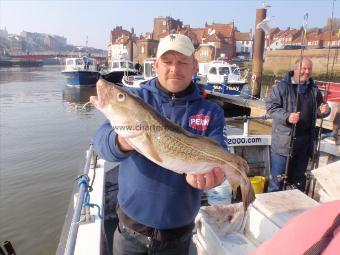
[246,119]
[82,189]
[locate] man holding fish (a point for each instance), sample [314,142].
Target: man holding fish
[164,167]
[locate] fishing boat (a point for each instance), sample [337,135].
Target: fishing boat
[222,77]
[148,73]
[81,71]
[91,219]
[117,69]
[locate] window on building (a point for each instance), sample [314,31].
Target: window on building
[142,49]
[246,49]
[164,22]
[204,53]
[242,49]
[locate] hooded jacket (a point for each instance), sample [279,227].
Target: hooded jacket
[148,193]
[280,104]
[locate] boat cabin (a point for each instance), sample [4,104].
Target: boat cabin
[221,72]
[81,63]
[121,65]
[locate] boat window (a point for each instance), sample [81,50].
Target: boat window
[235,70]
[123,64]
[69,62]
[213,70]
[79,62]
[131,66]
[223,70]
[115,65]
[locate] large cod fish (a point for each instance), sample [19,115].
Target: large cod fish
[165,143]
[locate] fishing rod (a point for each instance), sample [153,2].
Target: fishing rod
[316,152]
[297,107]
[8,248]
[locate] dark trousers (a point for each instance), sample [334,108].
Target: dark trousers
[128,242]
[298,169]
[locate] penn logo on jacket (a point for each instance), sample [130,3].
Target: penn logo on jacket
[199,122]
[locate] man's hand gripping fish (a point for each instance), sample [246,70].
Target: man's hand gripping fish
[165,143]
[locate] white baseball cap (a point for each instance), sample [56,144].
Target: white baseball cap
[176,42]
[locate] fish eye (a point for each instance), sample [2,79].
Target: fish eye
[120,97]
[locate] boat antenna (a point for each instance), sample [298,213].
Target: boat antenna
[87,40]
[297,105]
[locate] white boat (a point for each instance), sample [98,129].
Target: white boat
[148,73]
[81,71]
[89,229]
[219,71]
[117,69]
[223,77]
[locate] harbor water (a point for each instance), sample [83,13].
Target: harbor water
[44,133]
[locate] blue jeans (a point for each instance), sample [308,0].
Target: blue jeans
[298,169]
[128,242]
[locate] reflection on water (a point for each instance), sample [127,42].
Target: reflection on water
[42,147]
[24,74]
[77,99]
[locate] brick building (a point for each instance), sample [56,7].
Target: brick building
[244,44]
[215,41]
[162,26]
[122,45]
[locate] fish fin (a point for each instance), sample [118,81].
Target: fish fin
[150,149]
[247,192]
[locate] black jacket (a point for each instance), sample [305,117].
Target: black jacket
[280,104]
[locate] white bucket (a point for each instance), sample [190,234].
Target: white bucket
[220,195]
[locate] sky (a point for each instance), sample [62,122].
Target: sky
[78,20]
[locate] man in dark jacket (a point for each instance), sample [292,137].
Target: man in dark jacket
[282,107]
[157,207]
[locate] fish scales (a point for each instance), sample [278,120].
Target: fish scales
[175,147]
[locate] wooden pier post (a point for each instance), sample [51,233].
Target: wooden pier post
[258,55]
